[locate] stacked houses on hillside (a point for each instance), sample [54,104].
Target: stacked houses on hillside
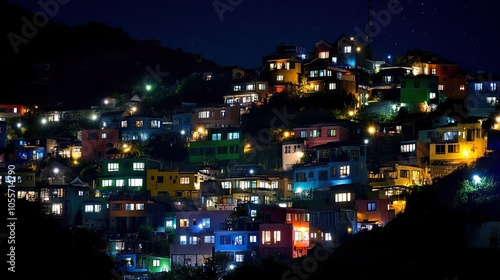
[332,180]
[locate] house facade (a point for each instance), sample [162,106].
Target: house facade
[97,142]
[419,93]
[482,97]
[124,176]
[174,183]
[456,145]
[337,163]
[216,144]
[195,236]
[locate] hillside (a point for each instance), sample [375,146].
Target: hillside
[76,66]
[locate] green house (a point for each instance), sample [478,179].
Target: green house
[124,176]
[141,264]
[419,92]
[218,144]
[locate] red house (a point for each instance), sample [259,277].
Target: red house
[320,134]
[97,142]
[284,232]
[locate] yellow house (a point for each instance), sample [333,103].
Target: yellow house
[456,145]
[397,175]
[174,183]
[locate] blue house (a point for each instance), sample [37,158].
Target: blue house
[239,246]
[336,163]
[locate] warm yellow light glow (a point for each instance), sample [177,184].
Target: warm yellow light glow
[371,129]
[286,134]
[358,49]
[466,154]
[497,119]
[351,113]
[300,154]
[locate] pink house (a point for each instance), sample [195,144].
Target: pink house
[320,134]
[97,142]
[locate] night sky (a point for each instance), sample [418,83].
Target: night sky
[240,32]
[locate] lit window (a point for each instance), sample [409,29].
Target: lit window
[89,208]
[237,88]
[280,78]
[182,240]
[216,137]
[184,180]
[233,135]
[250,87]
[277,236]
[139,206]
[205,222]
[323,55]
[113,166]
[204,114]
[345,170]
[347,49]
[138,166]
[239,258]
[104,135]
[331,133]
[262,86]
[135,182]
[156,263]
[266,237]
[371,206]
[124,124]
[130,207]
[328,236]
[332,86]
[155,123]
[97,208]
[57,209]
[107,183]
[342,197]
[193,240]
[209,239]
[253,238]
[184,222]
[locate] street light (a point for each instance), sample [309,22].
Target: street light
[476,179]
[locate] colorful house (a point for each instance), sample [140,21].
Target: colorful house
[97,142]
[483,97]
[216,144]
[336,163]
[456,145]
[419,93]
[195,236]
[124,176]
[141,266]
[240,246]
[174,183]
[284,232]
[323,133]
